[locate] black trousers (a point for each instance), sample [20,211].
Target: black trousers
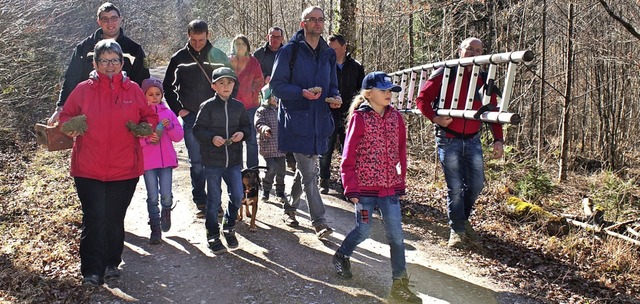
[104,205]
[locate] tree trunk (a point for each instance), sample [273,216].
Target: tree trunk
[347,23]
[564,150]
[542,105]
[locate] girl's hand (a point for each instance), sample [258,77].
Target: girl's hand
[354,200]
[166,122]
[153,138]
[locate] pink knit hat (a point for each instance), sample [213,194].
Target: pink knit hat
[152,82]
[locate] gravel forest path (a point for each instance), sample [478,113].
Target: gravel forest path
[280,264]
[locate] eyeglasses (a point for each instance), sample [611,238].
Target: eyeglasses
[105,62]
[315,20]
[111,19]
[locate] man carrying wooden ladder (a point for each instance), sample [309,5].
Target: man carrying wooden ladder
[458,138]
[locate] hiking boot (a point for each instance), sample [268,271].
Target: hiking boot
[342,265]
[111,272]
[457,240]
[324,185]
[91,281]
[264,199]
[282,197]
[230,237]
[290,219]
[156,234]
[165,219]
[400,291]
[215,244]
[470,233]
[323,231]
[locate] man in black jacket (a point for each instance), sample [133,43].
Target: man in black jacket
[350,74]
[187,84]
[266,54]
[109,20]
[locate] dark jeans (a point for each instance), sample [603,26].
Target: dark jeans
[325,159]
[104,205]
[195,161]
[251,142]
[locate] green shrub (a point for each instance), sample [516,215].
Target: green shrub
[535,184]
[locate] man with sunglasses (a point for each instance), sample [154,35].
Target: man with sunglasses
[109,20]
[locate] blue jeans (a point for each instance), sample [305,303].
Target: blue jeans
[463,167]
[307,176]
[158,183]
[252,142]
[104,206]
[232,177]
[195,161]
[276,169]
[390,208]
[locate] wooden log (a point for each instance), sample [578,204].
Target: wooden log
[623,237]
[586,226]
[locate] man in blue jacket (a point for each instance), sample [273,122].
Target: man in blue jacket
[304,75]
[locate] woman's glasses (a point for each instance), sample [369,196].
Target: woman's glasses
[105,62]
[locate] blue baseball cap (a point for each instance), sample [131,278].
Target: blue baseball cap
[380,81]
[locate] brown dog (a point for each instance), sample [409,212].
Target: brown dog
[251,184]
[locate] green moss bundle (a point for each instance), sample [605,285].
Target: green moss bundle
[142,129]
[75,124]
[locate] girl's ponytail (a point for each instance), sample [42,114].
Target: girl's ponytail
[357,101]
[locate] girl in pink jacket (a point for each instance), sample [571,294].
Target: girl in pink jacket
[159,160]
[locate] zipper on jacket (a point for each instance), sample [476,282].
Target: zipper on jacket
[226,117]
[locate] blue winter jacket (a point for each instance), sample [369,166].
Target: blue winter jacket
[304,125]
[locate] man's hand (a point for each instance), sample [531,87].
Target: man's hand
[442,121]
[55,117]
[183,113]
[336,105]
[498,150]
[310,95]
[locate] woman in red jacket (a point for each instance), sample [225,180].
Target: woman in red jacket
[250,81]
[106,160]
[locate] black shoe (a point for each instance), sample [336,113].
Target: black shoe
[230,237]
[400,291]
[290,219]
[323,231]
[111,272]
[91,281]
[156,234]
[215,244]
[324,185]
[342,265]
